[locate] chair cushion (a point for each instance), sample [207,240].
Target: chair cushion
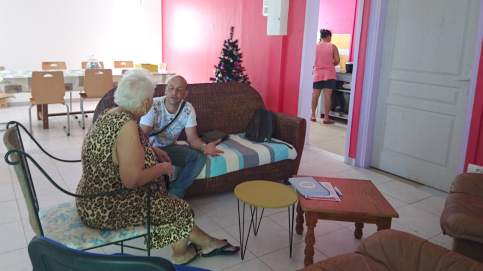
[62,224]
[240,153]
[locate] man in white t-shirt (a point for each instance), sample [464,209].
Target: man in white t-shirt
[192,159]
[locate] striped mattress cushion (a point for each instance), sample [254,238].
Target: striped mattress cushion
[240,153]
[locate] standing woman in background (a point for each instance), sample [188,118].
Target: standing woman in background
[326,58]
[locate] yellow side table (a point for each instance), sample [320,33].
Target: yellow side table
[263,194]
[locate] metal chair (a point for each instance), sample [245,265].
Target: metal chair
[97,82]
[84,64]
[59,65]
[123,64]
[61,222]
[48,88]
[48,255]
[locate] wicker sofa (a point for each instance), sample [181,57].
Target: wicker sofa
[229,107]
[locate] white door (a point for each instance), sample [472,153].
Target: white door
[425,70]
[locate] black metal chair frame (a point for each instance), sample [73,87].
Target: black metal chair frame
[22,157]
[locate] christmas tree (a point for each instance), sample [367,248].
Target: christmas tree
[229,68]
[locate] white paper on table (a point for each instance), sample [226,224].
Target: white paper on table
[331,197]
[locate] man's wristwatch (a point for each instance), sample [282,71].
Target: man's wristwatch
[201,147]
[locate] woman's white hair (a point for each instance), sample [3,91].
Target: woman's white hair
[135,87]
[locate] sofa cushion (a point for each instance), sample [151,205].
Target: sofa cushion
[397,251]
[347,262]
[462,217]
[240,153]
[401,251]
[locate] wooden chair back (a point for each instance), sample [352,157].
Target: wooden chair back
[84,64]
[123,64]
[97,82]
[48,87]
[163,67]
[60,65]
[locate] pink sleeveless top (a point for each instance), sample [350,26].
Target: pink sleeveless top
[324,68]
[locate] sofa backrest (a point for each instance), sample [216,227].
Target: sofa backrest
[226,107]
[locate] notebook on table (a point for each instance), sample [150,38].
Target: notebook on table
[308,186]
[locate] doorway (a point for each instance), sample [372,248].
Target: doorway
[332,137]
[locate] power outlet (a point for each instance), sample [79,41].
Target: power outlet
[475,168]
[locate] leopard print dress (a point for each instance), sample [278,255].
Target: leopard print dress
[171,217]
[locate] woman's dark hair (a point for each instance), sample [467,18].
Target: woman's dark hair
[324,33]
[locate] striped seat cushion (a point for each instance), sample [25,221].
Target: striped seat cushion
[240,153]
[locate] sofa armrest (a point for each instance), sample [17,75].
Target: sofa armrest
[468,183]
[403,251]
[291,130]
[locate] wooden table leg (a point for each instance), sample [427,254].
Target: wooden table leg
[39,112]
[45,116]
[299,228]
[384,223]
[311,221]
[358,230]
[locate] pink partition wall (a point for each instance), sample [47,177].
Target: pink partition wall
[337,15]
[193,35]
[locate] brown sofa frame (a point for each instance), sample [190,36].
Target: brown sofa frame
[229,107]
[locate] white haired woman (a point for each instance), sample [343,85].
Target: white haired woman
[116,154]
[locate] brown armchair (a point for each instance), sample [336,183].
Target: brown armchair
[399,251]
[462,215]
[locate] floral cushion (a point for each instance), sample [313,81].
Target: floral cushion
[62,224]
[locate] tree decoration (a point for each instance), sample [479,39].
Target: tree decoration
[229,69]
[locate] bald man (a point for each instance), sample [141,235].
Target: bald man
[192,159]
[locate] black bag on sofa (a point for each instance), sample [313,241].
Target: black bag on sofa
[262,127]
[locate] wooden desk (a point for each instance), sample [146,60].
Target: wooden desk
[361,203]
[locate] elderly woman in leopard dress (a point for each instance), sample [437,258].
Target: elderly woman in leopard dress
[116,154]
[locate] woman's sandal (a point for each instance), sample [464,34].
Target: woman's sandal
[197,254]
[313,119]
[221,250]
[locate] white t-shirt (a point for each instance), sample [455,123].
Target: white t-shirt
[158,117]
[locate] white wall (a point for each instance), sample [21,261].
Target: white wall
[33,31]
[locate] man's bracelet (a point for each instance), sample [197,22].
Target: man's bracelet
[201,147]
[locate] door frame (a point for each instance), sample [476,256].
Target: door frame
[307,66]
[371,84]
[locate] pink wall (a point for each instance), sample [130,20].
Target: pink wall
[337,15]
[193,35]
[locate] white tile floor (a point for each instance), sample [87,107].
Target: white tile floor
[419,207]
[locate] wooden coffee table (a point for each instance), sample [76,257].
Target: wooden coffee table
[361,203]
